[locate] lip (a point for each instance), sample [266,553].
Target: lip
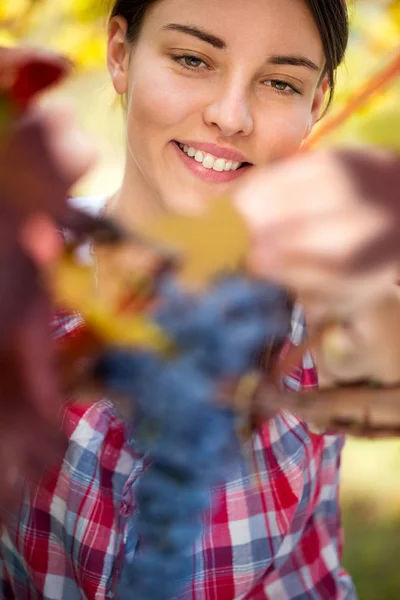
[217,151]
[209,174]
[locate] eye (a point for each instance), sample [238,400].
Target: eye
[282,87]
[192,61]
[189,61]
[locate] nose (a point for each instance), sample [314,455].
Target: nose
[229,110]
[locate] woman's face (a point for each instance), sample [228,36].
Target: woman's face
[214,89]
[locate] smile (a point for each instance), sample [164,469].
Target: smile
[209,161]
[209,167]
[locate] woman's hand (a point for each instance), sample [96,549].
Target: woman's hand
[326,225]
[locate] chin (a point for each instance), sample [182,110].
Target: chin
[182,201]
[190,196]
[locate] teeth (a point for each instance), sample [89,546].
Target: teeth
[219,164]
[228,165]
[199,156]
[208,161]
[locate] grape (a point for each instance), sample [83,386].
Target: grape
[164,508]
[179,421]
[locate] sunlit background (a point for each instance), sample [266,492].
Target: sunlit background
[371,470]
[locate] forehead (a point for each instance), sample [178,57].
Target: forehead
[271,25]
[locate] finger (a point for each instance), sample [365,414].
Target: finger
[291,190]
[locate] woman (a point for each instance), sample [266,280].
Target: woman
[212,91]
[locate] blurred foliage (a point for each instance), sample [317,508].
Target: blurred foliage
[371,470]
[73,27]
[375,41]
[371,516]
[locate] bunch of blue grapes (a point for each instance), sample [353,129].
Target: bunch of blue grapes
[181,420]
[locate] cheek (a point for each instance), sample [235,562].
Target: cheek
[157,102]
[281,133]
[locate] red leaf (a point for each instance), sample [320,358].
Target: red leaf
[36,75]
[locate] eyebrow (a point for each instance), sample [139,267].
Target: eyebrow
[216,42]
[293,60]
[200,34]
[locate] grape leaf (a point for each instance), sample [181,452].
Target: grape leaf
[210,243]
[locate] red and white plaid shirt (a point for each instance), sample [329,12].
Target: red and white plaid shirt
[276,534]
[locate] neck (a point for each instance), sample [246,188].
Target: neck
[133,204]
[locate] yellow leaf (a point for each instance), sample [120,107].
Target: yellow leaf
[213,242]
[73,288]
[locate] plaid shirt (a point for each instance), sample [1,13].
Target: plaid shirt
[275,535]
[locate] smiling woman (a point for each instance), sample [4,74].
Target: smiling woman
[230,82]
[214,90]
